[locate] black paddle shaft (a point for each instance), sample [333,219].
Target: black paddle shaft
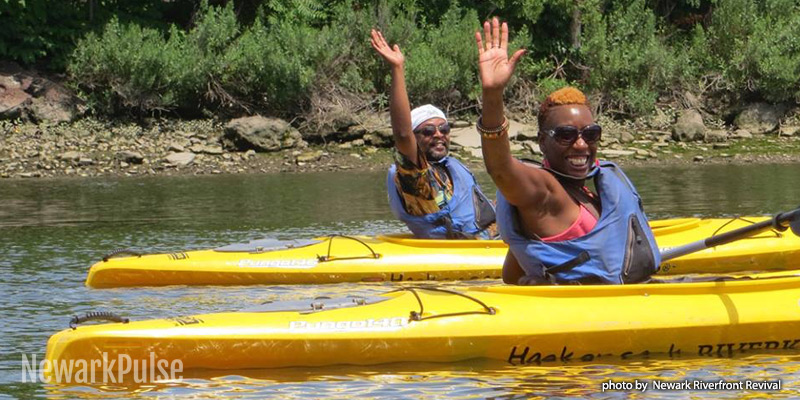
[780,222]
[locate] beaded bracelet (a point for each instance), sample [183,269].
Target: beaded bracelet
[492,133]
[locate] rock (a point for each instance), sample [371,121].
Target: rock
[25,94]
[176,147]
[260,134]
[337,126]
[642,152]
[347,145]
[475,152]
[616,153]
[533,147]
[689,127]
[721,145]
[205,149]
[527,133]
[520,131]
[123,164]
[342,120]
[85,161]
[626,137]
[789,131]
[55,105]
[380,138]
[759,118]
[9,82]
[181,159]
[742,134]
[309,156]
[352,133]
[516,147]
[460,124]
[70,156]
[131,157]
[249,153]
[358,142]
[698,158]
[13,99]
[664,138]
[716,135]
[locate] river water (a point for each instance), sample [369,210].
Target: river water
[51,231]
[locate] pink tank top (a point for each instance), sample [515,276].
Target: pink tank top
[583,225]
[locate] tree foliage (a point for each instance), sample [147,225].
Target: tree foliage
[276,56]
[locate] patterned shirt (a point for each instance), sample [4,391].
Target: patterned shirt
[424,188]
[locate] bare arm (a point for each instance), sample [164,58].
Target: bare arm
[399,107]
[520,185]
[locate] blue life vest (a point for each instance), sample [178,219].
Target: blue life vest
[620,249]
[466,214]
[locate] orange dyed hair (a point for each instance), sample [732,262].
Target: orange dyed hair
[561,97]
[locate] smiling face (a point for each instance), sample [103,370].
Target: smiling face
[437,146]
[575,159]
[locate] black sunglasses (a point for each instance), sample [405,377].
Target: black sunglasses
[567,135]
[430,130]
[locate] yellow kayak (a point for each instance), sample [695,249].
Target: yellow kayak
[336,259]
[518,325]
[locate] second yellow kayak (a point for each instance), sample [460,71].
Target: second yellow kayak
[335,259]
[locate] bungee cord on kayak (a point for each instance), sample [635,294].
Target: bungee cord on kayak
[418,315]
[329,257]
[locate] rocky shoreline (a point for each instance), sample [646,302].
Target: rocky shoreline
[88,148]
[45,133]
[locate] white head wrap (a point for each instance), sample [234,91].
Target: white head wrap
[424,113]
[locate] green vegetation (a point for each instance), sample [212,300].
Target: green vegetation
[292,58]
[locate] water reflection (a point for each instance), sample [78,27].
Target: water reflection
[472,379]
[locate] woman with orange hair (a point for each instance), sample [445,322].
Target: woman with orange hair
[558,230]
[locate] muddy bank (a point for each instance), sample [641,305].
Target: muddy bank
[93,148]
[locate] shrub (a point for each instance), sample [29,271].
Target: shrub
[760,42]
[268,66]
[627,60]
[132,67]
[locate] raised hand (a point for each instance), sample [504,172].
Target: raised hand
[392,55]
[493,63]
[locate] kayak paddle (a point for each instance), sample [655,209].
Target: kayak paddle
[780,222]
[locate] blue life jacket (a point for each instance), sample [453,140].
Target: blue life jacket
[620,249]
[466,214]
